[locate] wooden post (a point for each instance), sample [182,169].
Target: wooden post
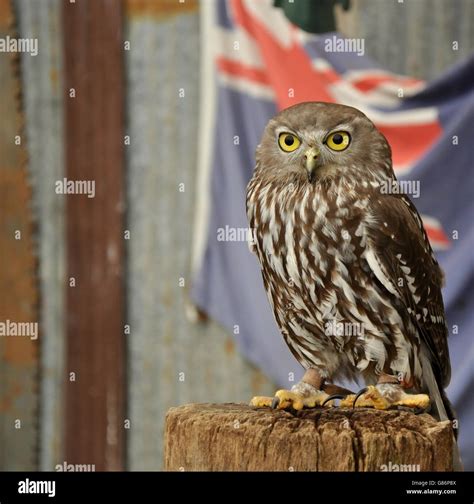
[236,437]
[94,103]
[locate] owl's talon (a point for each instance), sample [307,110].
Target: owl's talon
[387,395]
[332,398]
[301,396]
[261,402]
[361,392]
[288,399]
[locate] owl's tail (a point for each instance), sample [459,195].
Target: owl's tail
[441,406]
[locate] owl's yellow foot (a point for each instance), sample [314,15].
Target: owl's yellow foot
[261,401]
[385,396]
[300,396]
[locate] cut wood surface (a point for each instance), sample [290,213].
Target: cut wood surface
[237,437]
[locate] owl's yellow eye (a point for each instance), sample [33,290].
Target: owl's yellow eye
[338,141]
[288,142]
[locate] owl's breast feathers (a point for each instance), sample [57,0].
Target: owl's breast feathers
[341,253]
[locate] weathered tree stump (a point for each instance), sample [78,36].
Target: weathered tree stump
[237,437]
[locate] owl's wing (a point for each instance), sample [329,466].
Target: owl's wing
[400,256]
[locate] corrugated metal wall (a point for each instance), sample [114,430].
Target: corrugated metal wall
[170,360]
[42,97]
[18,280]
[412,37]
[163,343]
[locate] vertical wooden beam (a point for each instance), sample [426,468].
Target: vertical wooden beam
[94,105]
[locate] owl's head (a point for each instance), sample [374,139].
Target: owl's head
[315,140]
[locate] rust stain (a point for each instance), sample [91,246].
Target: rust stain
[229,347]
[6,17]
[20,351]
[9,397]
[258,382]
[159,8]
[18,298]
[53,75]
[18,282]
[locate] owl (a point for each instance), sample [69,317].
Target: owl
[346,263]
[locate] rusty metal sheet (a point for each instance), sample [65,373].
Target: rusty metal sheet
[43,118]
[18,281]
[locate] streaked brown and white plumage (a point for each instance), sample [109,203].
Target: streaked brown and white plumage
[333,247]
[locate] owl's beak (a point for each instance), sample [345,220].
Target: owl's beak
[311,158]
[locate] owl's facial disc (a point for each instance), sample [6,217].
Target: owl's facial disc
[347,146]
